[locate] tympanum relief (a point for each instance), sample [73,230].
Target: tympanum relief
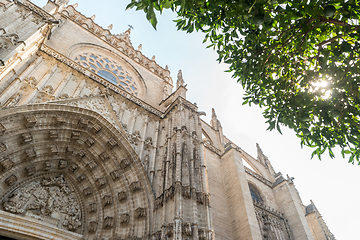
[49,199]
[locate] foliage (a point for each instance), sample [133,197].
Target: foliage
[299,59]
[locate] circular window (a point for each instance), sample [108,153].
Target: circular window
[109,70]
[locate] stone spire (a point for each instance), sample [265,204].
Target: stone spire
[264,160]
[260,154]
[215,123]
[180,81]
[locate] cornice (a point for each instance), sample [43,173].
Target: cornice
[116,41]
[268,209]
[39,11]
[258,177]
[77,67]
[212,148]
[58,56]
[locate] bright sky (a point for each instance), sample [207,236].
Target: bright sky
[330,183]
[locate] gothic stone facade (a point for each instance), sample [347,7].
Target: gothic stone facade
[97,143]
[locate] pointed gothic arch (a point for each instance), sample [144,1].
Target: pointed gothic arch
[255,192]
[63,151]
[206,137]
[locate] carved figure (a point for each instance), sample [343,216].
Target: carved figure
[122,196]
[30,81]
[13,100]
[166,93]
[46,199]
[134,186]
[146,162]
[140,212]
[180,81]
[3,147]
[187,229]
[134,138]
[148,143]
[124,218]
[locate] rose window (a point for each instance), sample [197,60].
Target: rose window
[108,69]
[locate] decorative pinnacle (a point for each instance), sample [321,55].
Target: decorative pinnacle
[110,27]
[75,5]
[180,81]
[93,17]
[140,47]
[213,113]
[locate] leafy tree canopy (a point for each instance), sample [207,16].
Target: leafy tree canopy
[299,59]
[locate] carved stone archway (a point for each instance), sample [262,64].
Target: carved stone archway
[70,169]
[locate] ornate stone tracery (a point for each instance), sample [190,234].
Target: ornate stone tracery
[49,199]
[272,224]
[7,41]
[108,69]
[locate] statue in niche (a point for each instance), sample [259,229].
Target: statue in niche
[148,143]
[135,138]
[30,81]
[146,162]
[180,81]
[166,92]
[49,199]
[12,101]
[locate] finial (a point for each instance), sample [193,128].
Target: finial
[153,58]
[213,113]
[128,31]
[61,2]
[140,47]
[75,5]
[110,27]
[180,81]
[93,17]
[166,67]
[215,123]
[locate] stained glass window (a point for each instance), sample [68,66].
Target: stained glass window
[109,70]
[255,195]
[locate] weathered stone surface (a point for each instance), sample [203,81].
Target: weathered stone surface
[78,100]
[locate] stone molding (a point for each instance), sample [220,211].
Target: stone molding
[212,148]
[71,158]
[58,56]
[39,11]
[117,41]
[258,177]
[15,226]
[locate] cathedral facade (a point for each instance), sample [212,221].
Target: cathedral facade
[98,142]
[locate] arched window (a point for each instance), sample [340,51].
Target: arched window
[255,194]
[109,70]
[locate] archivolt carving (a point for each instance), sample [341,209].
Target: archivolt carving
[49,199]
[99,176]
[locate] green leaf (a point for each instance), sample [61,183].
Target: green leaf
[281,57]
